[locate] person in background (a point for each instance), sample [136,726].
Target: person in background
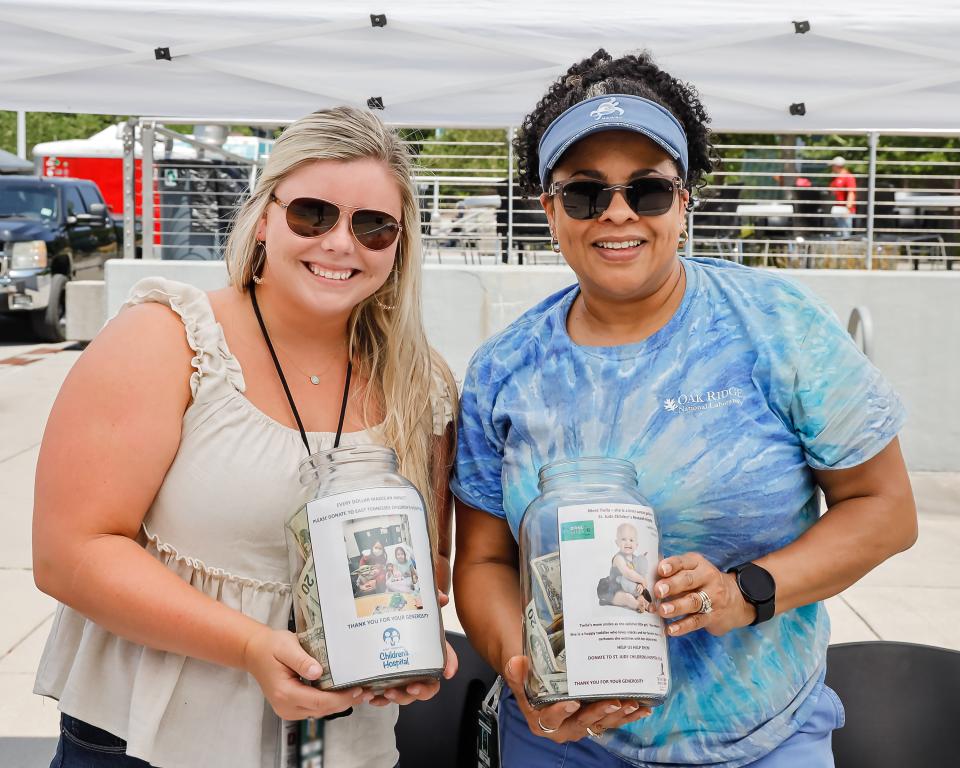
[844,187]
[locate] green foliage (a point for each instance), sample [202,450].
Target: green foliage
[51,126]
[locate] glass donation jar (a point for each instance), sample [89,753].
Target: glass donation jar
[361,570]
[589,548]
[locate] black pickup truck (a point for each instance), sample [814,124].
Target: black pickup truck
[51,230]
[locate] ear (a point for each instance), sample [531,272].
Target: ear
[546,201]
[261,232]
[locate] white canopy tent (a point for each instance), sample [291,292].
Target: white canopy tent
[877,65]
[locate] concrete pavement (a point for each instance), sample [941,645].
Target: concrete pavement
[914,597]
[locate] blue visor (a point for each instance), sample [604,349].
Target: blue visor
[612,112]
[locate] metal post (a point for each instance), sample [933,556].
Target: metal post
[511,132]
[688,247]
[22,134]
[129,193]
[146,187]
[871,195]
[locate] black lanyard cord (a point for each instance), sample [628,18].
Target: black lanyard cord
[286,388]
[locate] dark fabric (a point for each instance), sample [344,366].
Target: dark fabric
[85,746]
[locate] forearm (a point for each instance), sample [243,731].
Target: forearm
[489,605]
[852,538]
[114,582]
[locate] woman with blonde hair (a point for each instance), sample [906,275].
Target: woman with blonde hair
[171,456]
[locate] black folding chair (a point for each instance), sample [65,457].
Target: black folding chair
[442,732]
[902,702]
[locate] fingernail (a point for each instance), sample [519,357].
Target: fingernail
[414,690]
[358,693]
[666,569]
[572,706]
[667,608]
[663,589]
[630,710]
[611,709]
[389,695]
[314,670]
[672,630]
[368,697]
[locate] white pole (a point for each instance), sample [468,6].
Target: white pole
[22,134]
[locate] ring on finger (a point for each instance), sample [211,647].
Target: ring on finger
[706,604]
[596,733]
[544,728]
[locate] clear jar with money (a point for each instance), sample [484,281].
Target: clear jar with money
[361,565]
[590,543]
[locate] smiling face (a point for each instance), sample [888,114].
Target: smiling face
[327,276]
[618,256]
[401,555]
[627,538]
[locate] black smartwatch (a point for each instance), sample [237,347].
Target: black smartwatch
[758,588]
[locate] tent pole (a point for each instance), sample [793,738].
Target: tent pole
[146,187]
[511,132]
[871,195]
[129,193]
[22,134]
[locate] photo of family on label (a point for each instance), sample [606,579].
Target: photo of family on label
[627,583]
[383,567]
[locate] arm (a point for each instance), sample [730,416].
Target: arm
[870,516]
[489,604]
[628,573]
[110,439]
[443,450]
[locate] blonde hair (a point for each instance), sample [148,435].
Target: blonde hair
[387,340]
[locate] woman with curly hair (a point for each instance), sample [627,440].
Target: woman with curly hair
[738,397]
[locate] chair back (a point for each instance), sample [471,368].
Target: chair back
[902,703]
[443,730]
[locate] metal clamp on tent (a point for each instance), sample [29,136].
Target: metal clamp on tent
[798,109]
[375,102]
[162,54]
[801,27]
[378,19]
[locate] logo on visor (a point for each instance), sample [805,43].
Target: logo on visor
[610,107]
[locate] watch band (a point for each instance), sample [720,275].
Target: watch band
[758,588]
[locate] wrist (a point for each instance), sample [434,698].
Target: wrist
[253,636]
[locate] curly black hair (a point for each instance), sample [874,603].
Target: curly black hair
[634,75]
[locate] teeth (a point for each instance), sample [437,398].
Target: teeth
[328,274]
[616,246]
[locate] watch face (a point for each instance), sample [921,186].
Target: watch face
[757,583]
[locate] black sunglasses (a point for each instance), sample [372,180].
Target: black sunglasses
[312,217]
[588,199]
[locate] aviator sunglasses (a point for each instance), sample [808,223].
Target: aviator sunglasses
[312,217]
[585,199]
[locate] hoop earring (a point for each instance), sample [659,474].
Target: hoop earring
[554,243]
[261,255]
[683,238]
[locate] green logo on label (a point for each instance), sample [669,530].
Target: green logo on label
[581,529]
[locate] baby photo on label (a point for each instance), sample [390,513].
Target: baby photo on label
[382,563]
[629,574]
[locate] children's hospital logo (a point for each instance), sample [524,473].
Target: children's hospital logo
[393,654]
[704,401]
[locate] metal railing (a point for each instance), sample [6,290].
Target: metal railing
[769,202]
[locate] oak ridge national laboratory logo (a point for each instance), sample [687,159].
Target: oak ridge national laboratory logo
[704,401]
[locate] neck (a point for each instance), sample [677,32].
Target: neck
[601,321]
[290,330]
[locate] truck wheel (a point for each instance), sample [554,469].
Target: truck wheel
[50,324]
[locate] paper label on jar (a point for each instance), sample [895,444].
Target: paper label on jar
[379,605]
[608,558]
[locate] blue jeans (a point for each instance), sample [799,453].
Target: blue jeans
[84,746]
[809,747]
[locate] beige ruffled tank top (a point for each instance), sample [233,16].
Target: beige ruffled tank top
[217,522]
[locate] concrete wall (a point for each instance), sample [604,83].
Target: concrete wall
[916,319]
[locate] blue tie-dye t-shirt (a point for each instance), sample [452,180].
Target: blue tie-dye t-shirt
[724,411]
